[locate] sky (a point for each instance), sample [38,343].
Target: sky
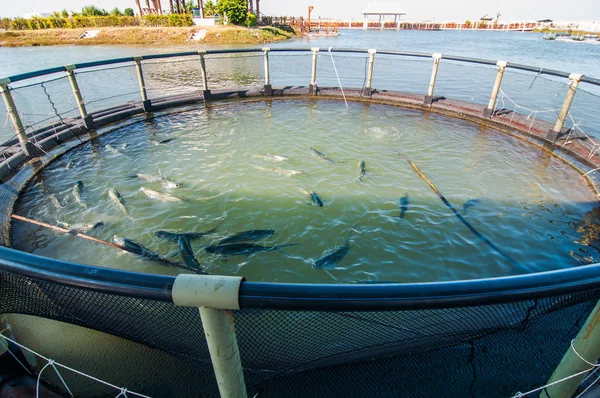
[343,9]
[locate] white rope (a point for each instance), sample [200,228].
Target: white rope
[123,391]
[12,354]
[338,77]
[591,384]
[575,126]
[594,366]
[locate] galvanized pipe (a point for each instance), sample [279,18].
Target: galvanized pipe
[13,114]
[201,53]
[489,111]
[267,77]
[564,112]
[140,74]
[581,356]
[428,100]
[219,330]
[77,94]
[313,81]
[367,90]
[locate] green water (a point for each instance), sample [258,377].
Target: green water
[528,203]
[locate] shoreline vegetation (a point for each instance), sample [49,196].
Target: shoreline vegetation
[156,35]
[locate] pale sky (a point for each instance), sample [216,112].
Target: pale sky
[343,9]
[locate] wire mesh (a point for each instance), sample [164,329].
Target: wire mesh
[235,71]
[291,69]
[466,82]
[502,348]
[351,69]
[584,115]
[172,76]
[105,87]
[6,128]
[404,74]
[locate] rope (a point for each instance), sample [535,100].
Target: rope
[594,366]
[54,364]
[57,114]
[575,125]
[535,78]
[2,340]
[338,77]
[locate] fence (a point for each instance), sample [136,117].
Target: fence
[469,337]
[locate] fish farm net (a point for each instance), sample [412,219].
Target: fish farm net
[438,352]
[100,94]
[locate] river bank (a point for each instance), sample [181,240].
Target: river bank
[145,36]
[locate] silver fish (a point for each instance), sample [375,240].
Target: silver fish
[272,158]
[112,149]
[77,191]
[118,199]
[361,170]
[55,201]
[281,171]
[152,194]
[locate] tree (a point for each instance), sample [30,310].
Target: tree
[210,9]
[128,12]
[64,13]
[234,9]
[116,12]
[93,11]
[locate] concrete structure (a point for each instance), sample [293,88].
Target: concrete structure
[383,9]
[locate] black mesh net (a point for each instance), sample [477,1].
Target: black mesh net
[503,348]
[98,88]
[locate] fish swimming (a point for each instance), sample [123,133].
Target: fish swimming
[156,142]
[81,227]
[469,203]
[168,184]
[252,235]
[281,171]
[188,235]
[136,248]
[70,165]
[336,256]
[185,249]
[272,158]
[118,199]
[315,198]
[361,170]
[112,149]
[77,191]
[403,205]
[57,203]
[124,146]
[152,194]
[240,249]
[321,155]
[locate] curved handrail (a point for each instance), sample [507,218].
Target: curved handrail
[542,71]
[320,297]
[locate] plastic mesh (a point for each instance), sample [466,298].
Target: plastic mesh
[105,87]
[350,68]
[291,69]
[173,76]
[584,115]
[466,82]
[235,71]
[402,74]
[450,352]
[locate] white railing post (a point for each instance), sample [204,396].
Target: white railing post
[367,90]
[268,89]
[146,103]
[429,98]
[489,111]
[205,90]
[87,119]
[312,90]
[564,112]
[11,108]
[216,296]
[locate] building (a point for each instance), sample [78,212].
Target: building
[382,10]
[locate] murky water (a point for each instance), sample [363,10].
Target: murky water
[524,201]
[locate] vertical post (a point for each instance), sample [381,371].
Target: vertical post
[429,98]
[367,90]
[489,111]
[587,351]
[268,90]
[146,104]
[365,22]
[87,119]
[219,330]
[312,90]
[205,90]
[564,112]
[14,114]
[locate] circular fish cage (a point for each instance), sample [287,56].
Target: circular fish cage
[371,222]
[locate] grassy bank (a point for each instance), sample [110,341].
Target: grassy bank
[143,35]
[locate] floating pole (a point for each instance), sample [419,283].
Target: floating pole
[102,242]
[458,215]
[14,115]
[87,119]
[205,90]
[312,90]
[489,111]
[581,356]
[146,104]
[564,112]
[429,99]
[268,89]
[367,90]
[216,296]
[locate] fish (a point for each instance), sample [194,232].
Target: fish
[118,199]
[272,158]
[403,205]
[156,142]
[57,203]
[281,171]
[469,203]
[321,155]
[335,256]
[315,198]
[124,146]
[70,165]
[136,248]
[239,249]
[81,227]
[112,149]
[361,170]
[188,235]
[77,191]
[252,235]
[185,249]
[168,184]
[152,194]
